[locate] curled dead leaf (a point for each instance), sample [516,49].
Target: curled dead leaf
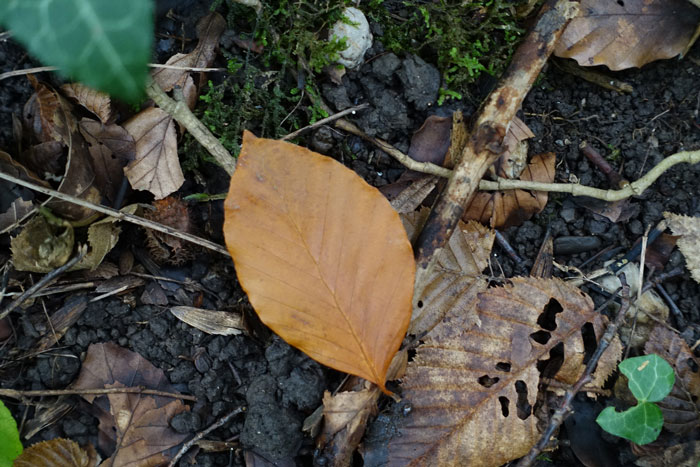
[42,246]
[628,34]
[689,230]
[322,256]
[56,452]
[97,102]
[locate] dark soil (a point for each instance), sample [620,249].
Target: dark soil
[277,384]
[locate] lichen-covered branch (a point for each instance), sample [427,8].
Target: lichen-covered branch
[180,112]
[485,143]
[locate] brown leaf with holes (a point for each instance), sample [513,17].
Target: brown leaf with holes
[57,452]
[513,207]
[681,408]
[156,167]
[455,282]
[688,228]
[97,102]
[209,29]
[133,427]
[323,257]
[473,382]
[629,33]
[111,148]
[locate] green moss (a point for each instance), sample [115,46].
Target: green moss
[274,92]
[465,39]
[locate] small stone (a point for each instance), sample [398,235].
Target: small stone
[356,35]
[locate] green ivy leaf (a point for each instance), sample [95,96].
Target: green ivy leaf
[640,424]
[105,44]
[650,377]
[10,446]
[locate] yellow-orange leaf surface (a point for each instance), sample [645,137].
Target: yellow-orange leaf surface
[323,257]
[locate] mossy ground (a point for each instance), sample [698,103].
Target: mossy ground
[276,91]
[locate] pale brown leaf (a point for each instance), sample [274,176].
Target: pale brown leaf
[689,230]
[57,452]
[322,256]
[156,167]
[629,33]
[454,283]
[679,455]
[209,29]
[513,207]
[681,408]
[222,323]
[97,102]
[472,387]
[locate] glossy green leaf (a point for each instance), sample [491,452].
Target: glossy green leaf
[650,377]
[640,424]
[10,446]
[105,44]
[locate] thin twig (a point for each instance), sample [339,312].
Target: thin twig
[27,71]
[633,189]
[82,250]
[324,121]
[502,184]
[219,423]
[118,214]
[16,394]
[565,408]
[185,68]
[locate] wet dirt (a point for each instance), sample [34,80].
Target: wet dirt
[277,384]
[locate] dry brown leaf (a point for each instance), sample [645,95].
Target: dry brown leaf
[322,255]
[681,408]
[39,111]
[629,33]
[132,427]
[11,167]
[102,236]
[347,412]
[689,230]
[432,140]
[456,280]
[513,207]
[472,387]
[222,323]
[14,214]
[97,102]
[156,167]
[110,147]
[209,29]
[679,455]
[57,452]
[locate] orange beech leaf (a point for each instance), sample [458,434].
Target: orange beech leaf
[323,257]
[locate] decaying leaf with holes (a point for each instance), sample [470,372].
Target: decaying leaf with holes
[689,230]
[470,381]
[323,257]
[681,408]
[167,249]
[455,282]
[629,33]
[513,207]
